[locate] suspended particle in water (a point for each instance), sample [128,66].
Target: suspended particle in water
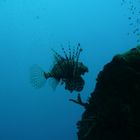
[37,17]
[137,29]
[138,21]
[123,2]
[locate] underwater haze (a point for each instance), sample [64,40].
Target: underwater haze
[29,29]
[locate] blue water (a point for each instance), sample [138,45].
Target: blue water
[28,31]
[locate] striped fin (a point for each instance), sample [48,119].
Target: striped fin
[37,77]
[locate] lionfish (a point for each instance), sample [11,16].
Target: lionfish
[66,70]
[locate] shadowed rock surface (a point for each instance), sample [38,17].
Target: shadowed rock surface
[113,109]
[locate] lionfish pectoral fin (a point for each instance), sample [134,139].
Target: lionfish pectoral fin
[37,76]
[53,83]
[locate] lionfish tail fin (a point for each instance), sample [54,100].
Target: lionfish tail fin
[37,76]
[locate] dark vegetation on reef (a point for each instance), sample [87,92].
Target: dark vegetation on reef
[113,110]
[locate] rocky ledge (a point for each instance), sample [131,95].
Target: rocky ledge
[113,109]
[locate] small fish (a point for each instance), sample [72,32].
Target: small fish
[67,69]
[131,24]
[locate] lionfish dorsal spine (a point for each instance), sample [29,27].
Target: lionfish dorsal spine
[69,53]
[78,50]
[77,55]
[66,56]
[68,62]
[57,56]
[73,54]
[59,59]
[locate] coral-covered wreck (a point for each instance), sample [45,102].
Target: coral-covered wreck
[113,110]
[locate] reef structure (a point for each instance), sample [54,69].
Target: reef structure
[113,109]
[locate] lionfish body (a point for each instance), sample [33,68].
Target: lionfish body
[67,69]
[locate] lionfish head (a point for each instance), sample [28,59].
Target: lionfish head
[82,69]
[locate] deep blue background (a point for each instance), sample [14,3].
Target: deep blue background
[28,31]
